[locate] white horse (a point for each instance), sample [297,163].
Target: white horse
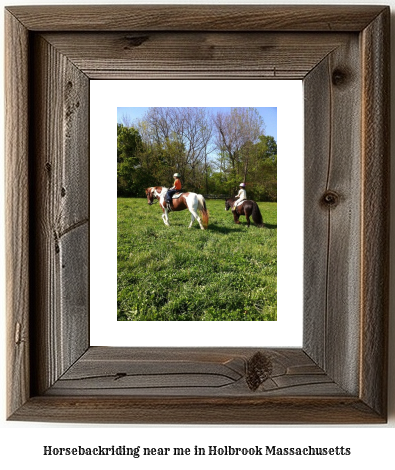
[191,201]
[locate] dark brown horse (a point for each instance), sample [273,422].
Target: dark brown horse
[191,201]
[247,208]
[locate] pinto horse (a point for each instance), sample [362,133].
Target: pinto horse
[191,201]
[247,208]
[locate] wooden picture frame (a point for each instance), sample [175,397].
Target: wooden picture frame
[340,374]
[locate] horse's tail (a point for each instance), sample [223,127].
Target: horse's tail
[256,215]
[203,209]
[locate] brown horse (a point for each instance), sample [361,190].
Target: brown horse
[191,201]
[247,208]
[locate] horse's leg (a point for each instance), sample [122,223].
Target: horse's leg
[192,207]
[192,219]
[194,215]
[248,219]
[165,217]
[236,217]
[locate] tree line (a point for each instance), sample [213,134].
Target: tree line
[213,152]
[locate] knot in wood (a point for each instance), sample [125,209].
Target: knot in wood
[259,369]
[135,41]
[18,334]
[330,199]
[120,375]
[340,77]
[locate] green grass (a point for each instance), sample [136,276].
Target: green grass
[225,273]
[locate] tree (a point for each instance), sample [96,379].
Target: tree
[268,148]
[182,136]
[129,170]
[236,133]
[213,153]
[263,181]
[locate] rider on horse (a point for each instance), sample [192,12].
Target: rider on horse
[176,187]
[241,196]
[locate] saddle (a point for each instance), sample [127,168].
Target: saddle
[237,204]
[174,196]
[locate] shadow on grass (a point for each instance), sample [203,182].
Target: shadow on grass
[223,229]
[213,227]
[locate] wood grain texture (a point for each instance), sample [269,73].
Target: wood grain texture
[375,211]
[198,410]
[339,376]
[195,372]
[60,182]
[332,202]
[196,17]
[17,213]
[197,55]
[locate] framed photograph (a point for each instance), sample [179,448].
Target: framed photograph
[228,272]
[339,374]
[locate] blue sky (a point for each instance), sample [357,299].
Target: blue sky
[269,116]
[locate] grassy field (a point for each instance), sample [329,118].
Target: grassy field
[225,273]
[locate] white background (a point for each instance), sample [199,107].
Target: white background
[21,443]
[106,95]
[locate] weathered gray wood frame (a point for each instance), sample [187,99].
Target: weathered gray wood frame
[340,374]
